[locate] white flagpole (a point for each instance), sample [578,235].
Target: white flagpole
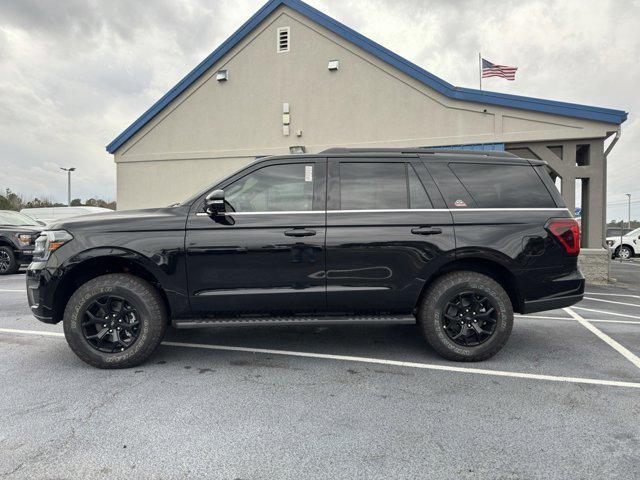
[480,68]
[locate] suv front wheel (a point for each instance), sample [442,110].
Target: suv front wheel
[466,316]
[115,321]
[624,252]
[8,262]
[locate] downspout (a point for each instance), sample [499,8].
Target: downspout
[606,166]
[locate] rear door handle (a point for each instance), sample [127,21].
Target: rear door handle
[299,232]
[426,230]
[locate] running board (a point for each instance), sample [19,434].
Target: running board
[328,320]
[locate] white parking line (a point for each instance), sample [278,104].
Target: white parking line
[611,301]
[376,361]
[31,332]
[628,354]
[606,312]
[613,295]
[5,290]
[597,320]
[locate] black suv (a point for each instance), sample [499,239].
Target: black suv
[17,237]
[454,241]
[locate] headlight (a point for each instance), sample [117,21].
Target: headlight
[49,241]
[610,243]
[24,239]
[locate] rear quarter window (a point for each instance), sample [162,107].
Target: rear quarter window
[503,186]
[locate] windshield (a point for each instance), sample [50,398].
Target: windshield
[633,233]
[16,219]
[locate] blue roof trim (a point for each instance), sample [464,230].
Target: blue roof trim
[467,94]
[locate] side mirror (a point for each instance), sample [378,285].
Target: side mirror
[214,203]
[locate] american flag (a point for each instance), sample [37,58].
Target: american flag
[492,70]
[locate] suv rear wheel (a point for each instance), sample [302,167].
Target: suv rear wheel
[466,316]
[115,321]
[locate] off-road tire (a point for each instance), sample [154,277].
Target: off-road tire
[14,266]
[146,299]
[431,311]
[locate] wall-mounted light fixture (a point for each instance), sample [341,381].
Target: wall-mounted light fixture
[296,149]
[286,120]
[333,65]
[222,75]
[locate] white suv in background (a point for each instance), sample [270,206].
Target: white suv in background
[628,247]
[52,214]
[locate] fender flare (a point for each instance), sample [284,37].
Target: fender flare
[66,275]
[487,254]
[80,258]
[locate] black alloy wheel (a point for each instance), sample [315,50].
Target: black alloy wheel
[111,324]
[469,318]
[5,261]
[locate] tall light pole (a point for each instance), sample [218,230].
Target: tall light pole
[68,170]
[629,201]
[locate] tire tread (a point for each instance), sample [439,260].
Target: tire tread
[152,301]
[437,289]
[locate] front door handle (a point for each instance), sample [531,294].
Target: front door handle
[426,230]
[299,232]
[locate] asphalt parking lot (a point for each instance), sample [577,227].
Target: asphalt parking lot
[561,400]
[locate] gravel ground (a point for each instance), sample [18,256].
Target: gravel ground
[268,412]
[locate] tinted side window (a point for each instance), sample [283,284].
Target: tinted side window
[373,186]
[418,197]
[275,188]
[503,186]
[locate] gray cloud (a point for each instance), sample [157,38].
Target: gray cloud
[75,73]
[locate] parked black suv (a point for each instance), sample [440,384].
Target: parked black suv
[17,236]
[456,240]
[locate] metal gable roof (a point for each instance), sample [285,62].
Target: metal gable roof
[467,94]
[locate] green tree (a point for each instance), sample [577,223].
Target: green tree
[42,203]
[11,201]
[14,201]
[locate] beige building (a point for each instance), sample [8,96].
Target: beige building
[293,77]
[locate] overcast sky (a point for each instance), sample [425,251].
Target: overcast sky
[75,73]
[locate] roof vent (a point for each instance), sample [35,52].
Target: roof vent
[283,39]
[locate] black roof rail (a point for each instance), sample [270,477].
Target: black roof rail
[486,153]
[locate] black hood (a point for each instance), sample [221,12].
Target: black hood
[170,218]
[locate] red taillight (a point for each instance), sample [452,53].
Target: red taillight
[567,231]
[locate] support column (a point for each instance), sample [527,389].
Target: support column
[569,190]
[596,196]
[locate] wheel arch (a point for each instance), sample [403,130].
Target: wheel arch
[6,243]
[631,247]
[492,269]
[100,262]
